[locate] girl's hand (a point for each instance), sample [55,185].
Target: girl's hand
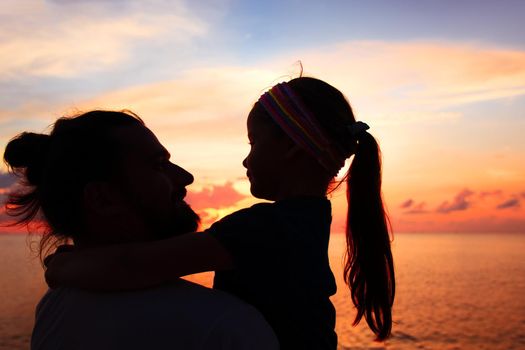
[64,248]
[52,263]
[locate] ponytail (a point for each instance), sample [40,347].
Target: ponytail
[369,268]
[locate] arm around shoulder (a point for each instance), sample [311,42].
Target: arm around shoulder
[138,265]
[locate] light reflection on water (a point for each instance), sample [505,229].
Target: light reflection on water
[454,291]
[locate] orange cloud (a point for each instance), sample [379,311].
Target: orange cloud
[495,193]
[480,213]
[213,202]
[390,79]
[460,202]
[216,196]
[407,204]
[419,208]
[411,207]
[510,203]
[210,95]
[403,88]
[468,211]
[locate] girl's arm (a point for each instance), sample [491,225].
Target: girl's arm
[137,265]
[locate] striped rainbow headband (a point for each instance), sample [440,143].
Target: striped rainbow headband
[288,111]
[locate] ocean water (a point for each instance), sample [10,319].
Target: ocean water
[454,291]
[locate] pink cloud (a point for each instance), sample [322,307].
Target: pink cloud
[419,208]
[510,203]
[7,180]
[495,193]
[95,45]
[460,202]
[406,204]
[470,210]
[411,207]
[216,196]
[208,217]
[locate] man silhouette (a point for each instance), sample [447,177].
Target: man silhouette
[103,178]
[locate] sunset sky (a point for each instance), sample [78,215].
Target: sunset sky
[441,84]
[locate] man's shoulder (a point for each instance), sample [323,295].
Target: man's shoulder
[181,314]
[178,296]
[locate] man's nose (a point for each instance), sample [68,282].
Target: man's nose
[182,176]
[244,163]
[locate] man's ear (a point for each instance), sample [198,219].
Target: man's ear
[101,198]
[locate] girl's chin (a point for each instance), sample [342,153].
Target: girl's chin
[261,194]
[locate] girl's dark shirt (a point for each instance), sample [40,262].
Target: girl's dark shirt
[280,253]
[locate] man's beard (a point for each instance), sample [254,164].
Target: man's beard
[162,224]
[182,220]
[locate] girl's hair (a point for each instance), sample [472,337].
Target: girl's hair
[369,270]
[55,168]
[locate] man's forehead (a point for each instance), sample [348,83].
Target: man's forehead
[139,140]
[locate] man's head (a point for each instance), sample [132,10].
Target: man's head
[99,167]
[147,186]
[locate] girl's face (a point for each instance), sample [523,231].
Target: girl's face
[267,162]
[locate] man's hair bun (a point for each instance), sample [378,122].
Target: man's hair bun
[28,151]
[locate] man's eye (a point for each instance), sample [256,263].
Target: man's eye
[163,165]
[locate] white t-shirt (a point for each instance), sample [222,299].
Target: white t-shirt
[183,315]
